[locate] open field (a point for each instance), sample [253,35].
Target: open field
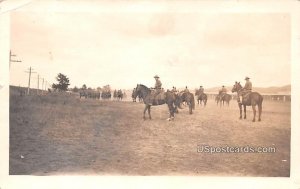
[62,134]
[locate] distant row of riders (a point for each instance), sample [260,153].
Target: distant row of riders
[173,98]
[105,94]
[119,95]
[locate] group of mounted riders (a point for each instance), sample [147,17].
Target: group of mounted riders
[157,96]
[118,94]
[243,93]
[222,95]
[94,94]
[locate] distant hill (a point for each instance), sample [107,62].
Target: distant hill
[263,90]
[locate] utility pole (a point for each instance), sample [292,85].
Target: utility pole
[43,87]
[30,72]
[38,85]
[10,60]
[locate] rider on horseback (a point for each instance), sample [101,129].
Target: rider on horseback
[158,83]
[246,90]
[157,88]
[201,90]
[186,89]
[222,92]
[174,90]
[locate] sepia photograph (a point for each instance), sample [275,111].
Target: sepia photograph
[118,88]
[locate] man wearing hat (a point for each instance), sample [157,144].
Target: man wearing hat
[247,88]
[248,85]
[222,92]
[157,88]
[186,89]
[174,90]
[201,90]
[157,82]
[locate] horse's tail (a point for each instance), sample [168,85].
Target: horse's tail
[261,99]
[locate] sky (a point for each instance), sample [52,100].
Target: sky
[124,48]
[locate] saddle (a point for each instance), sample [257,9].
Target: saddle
[245,97]
[157,95]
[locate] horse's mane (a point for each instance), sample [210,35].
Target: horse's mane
[144,86]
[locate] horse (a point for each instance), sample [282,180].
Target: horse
[115,94]
[145,93]
[254,98]
[133,95]
[201,97]
[225,98]
[188,98]
[83,93]
[119,95]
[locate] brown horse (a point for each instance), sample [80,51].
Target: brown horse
[225,98]
[188,98]
[201,97]
[254,98]
[145,93]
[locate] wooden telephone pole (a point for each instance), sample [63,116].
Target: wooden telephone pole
[38,84]
[30,72]
[10,60]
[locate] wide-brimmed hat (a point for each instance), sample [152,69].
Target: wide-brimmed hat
[156,76]
[223,86]
[201,86]
[247,78]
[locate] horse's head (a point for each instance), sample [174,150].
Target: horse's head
[236,87]
[134,91]
[139,90]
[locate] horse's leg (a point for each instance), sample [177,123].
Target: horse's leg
[149,107]
[176,110]
[254,112]
[190,108]
[245,116]
[146,106]
[259,111]
[171,112]
[240,107]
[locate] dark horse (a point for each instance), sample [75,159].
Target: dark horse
[201,97]
[254,98]
[145,93]
[188,98]
[225,98]
[119,95]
